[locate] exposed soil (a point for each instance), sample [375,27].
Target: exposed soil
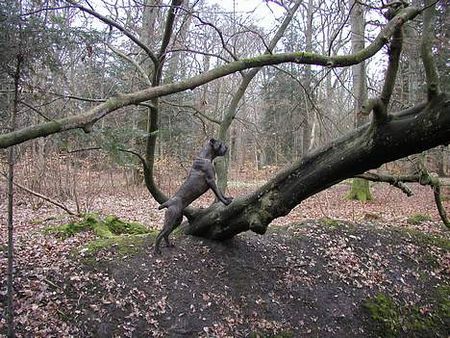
[303,278]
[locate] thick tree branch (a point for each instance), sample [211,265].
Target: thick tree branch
[92,116]
[408,132]
[395,48]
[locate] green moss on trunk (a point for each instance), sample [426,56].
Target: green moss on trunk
[360,190]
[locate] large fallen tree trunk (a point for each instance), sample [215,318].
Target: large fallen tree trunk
[411,131]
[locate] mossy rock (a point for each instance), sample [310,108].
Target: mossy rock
[417,219]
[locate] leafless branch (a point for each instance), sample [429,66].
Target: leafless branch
[45,198]
[197,111]
[133,62]
[35,110]
[119,27]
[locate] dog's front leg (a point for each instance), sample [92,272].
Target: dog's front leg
[212,184]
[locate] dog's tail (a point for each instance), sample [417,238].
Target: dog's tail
[165,205]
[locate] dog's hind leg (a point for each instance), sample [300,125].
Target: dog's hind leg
[175,225]
[169,219]
[170,222]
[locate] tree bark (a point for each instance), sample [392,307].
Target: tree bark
[422,127]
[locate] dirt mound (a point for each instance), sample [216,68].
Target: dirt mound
[318,278]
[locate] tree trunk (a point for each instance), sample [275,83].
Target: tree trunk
[360,189]
[411,131]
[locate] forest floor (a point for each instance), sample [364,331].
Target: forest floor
[331,268]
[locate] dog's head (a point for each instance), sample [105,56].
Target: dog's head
[218,148]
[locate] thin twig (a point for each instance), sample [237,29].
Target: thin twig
[45,198]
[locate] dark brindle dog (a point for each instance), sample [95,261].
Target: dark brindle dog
[200,179]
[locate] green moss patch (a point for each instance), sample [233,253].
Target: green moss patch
[113,234]
[118,227]
[106,228]
[423,238]
[384,313]
[331,223]
[123,244]
[89,222]
[417,219]
[391,320]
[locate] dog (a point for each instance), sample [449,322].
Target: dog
[201,178]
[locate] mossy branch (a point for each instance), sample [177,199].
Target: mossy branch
[423,178]
[395,181]
[379,110]
[395,48]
